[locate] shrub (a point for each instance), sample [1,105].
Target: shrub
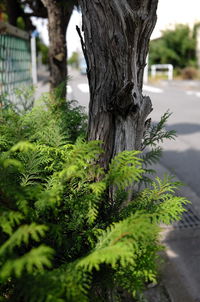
[176,46]
[60,231]
[189,73]
[74,60]
[53,122]
[64,236]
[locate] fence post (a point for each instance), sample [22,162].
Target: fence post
[170,72]
[153,71]
[169,68]
[34,57]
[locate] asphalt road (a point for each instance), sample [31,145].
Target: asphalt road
[78,88]
[182,156]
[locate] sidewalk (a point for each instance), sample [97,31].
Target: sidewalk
[181,274]
[43,82]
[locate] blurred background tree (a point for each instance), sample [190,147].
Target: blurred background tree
[17,14]
[74,60]
[3,16]
[43,50]
[176,46]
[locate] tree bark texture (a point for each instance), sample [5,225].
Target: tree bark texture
[116,40]
[59,13]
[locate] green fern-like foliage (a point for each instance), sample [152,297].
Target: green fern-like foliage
[36,259]
[63,236]
[66,212]
[154,135]
[160,201]
[120,243]
[125,168]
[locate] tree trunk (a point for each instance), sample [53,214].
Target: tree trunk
[59,14]
[116,39]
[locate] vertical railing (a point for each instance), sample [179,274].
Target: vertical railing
[15,61]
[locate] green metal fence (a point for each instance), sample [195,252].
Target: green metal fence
[15,61]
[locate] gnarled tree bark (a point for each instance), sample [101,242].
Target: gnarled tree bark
[116,39]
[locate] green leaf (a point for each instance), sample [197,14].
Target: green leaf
[125,169]
[23,146]
[23,235]
[35,260]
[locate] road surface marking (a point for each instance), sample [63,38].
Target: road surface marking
[152,89]
[190,92]
[83,87]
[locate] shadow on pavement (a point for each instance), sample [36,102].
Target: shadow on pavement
[186,165]
[184,128]
[43,75]
[182,267]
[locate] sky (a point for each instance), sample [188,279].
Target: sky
[169,12]
[172,12]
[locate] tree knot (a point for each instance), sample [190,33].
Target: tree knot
[123,102]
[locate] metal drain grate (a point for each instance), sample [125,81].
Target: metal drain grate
[189,219]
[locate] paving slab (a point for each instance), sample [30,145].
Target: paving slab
[181,273]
